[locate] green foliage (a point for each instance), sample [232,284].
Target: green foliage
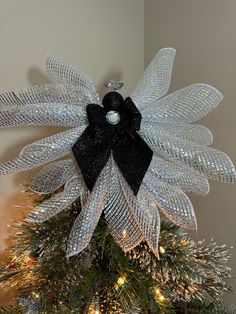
[103,274]
[187,269]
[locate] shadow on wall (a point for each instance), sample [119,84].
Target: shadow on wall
[37,77]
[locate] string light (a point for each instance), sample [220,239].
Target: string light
[35,295]
[124,233]
[162,250]
[96,308]
[157,291]
[159,295]
[121,280]
[96,304]
[161,298]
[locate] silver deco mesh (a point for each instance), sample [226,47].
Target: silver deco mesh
[149,220]
[120,212]
[185,105]
[66,72]
[212,163]
[182,161]
[42,114]
[171,200]
[61,171]
[58,202]
[48,93]
[155,81]
[190,132]
[177,175]
[42,151]
[89,216]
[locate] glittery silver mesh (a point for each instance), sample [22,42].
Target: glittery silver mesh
[53,176]
[185,105]
[89,216]
[155,81]
[191,132]
[144,214]
[120,212]
[171,200]
[176,175]
[131,219]
[42,151]
[74,189]
[68,73]
[54,114]
[149,220]
[206,160]
[48,93]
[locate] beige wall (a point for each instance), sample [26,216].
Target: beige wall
[204,35]
[106,37]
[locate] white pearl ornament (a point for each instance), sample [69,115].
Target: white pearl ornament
[113,117]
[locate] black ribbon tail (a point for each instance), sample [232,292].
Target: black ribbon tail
[91,154]
[133,156]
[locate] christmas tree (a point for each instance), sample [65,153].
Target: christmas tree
[188,276]
[94,242]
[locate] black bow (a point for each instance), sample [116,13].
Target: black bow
[93,148]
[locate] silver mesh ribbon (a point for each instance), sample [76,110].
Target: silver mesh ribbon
[89,216]
[172,201]
[130,219]
[144,213]
[185,105]
[179,176]
[53,176]
[74,189]
[42,151]
[120,208]
[66,72]
[211,162]
[48,93]
[190,132]
[155,81]
[149,220]
[43,114]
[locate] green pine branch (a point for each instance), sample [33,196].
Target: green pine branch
[47,281]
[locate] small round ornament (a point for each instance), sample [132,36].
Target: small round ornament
[113,117]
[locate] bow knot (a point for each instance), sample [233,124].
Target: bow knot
[129,116]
